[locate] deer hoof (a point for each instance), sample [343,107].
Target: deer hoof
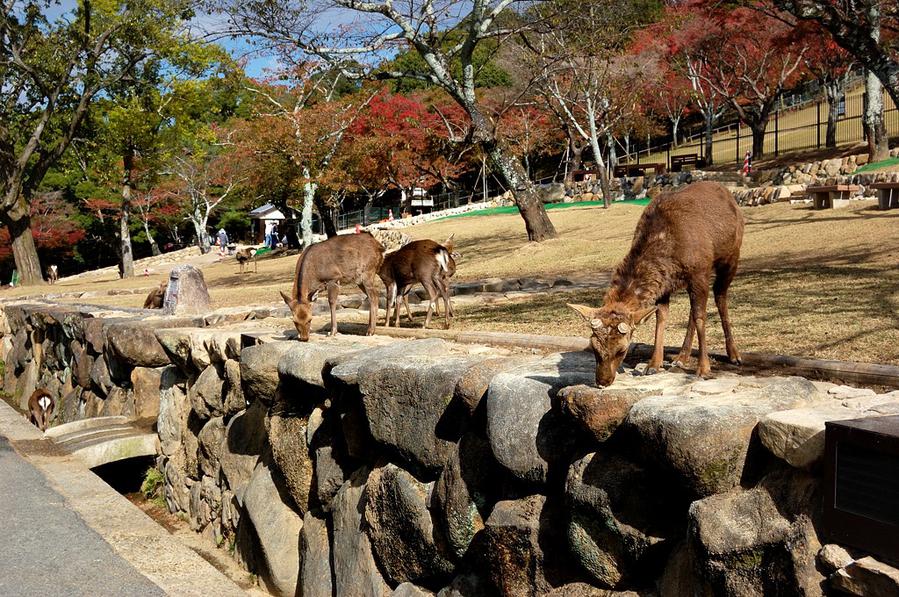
[650,371]
[736,361]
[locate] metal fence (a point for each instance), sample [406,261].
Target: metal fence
[799,127]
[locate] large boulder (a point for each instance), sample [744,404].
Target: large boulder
[355,571]
[621,519]
[528,437]
[136,345]
[553,192]
[278,529]
[468,485]
[760,541]
[400,528]
[171,421]
[345,368]
[101,381]
[704,436]
[332,466]
[306,363]
[287,438]
[315,558]
[233,398]
[259,370]
[147,386]
[210,440]
[866,576]
[244,441]
[206,395]
[186,293]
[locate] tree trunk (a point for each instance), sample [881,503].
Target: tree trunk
[709,118]
[366,209]
[600,168]
[306,212]
[875,129]
[575,151]
[675,122]
[154,246]
[203,241]
[758,128]
[126,265]
[834,95]
[324,212]
[537,224]
[18,222]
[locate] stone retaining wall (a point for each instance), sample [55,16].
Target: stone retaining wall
[371,466]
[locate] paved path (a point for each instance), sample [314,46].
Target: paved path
[47,549]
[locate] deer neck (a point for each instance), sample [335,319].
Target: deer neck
[639,283]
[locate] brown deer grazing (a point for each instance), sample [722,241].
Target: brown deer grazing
[344,259]
[156,297]
[52,274]
[421,261]
[680,239]
[246,255]
[40,408]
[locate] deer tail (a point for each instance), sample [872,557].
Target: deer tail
[443,258]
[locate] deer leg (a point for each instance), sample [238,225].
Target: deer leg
[406,304]
[699,296]
[432,299]
[658,352]
[371,289]
[399,294]
[444,292]
[333,292]
[687,347]
[724,275]
[391,296]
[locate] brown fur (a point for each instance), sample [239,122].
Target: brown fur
[680,240]
[52,274]
[37,415]
[343,259]
[156,296]
[244,256]
[419,262]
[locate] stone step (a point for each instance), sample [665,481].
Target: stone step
[74,446]
[87,434]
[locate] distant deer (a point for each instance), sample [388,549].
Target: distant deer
[156,296]
[52,274]
[343,259]
[421,261]
[40,408]
[246,255]
[444,280]
[680,239]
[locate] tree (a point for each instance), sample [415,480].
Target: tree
[442,38]
[831,66]
[51,71]
[56,231]
[669,93]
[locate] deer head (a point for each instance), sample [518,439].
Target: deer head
[302,316]
[611,329]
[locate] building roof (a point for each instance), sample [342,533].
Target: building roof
[266,212]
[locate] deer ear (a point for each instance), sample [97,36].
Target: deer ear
[588,313]
[290,302]
[639,317]
[448,244]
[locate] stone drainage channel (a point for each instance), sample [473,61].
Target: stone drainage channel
[369,465]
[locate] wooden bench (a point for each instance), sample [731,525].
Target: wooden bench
[887,194]
[679,161]
[638,169]
[824,197]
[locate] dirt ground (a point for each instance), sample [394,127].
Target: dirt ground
[821,284]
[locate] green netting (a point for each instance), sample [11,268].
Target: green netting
[492,211]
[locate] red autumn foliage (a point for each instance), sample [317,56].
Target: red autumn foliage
[53,226]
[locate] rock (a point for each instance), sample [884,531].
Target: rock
[597,411]
[329,458]
[233,399]
[704,438]
[147,385]
[315,558]
[553,192]
[409,407]
[206,397]
[512,552]
[82,368]
[468,482]
[832,557]
[210,440]
[527,436]
[245,439]
[355,571]
[177,345]
[304,363]
[95,334]
[760,541]
[278,528]
[400,529]
[118,402]
[467,585]
[259,370]
[100,380]
[186,293]
[346,367]
[287,438]
[580,589]
[621,519]
[407,589]
[173,409]
[865,577]
[135,345]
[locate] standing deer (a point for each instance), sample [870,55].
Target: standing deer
[40,408]
[52,274]
[245,255]
[156,297]
[681,238]
[343,259]
[421,261]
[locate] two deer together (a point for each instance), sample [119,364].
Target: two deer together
[359,259]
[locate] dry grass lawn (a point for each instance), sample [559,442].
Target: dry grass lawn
[821,284]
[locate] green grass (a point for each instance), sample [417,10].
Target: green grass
[511,209]
[878,165]
[152,486]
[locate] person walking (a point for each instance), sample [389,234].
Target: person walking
[223,242]
[269,229]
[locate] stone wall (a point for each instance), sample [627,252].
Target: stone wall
[371,466]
